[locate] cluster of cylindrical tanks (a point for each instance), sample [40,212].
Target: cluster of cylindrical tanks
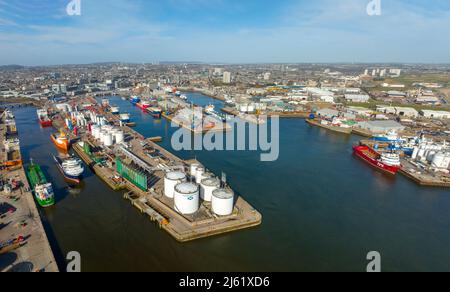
[203,186]
[437,155]
[107,135]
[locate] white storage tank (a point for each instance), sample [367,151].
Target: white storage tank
[172,179]
[102,136]
[222,202]
[207,187]
[120,137]
[187,198]
[108,140]
[193,170]
[199,174]
[95,131]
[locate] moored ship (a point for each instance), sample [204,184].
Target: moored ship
[72,168]
[115,110]
[125,118]
[155,112]
[61,141]
[44,120]
[143,105]
[43,190]
[388,162]
[134,100]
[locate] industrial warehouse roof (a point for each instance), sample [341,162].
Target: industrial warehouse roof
[381,126]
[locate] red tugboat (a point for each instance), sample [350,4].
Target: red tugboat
[44,120]
[143,105]
[386,162]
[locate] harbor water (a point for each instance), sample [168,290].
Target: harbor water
[323,209]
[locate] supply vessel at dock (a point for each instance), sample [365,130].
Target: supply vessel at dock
[43,190]
[72,169]
[44,120]
[386,162]
[143,105]
[134,100]
[61,141]
[155,112]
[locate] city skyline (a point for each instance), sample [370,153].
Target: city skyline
[223,31]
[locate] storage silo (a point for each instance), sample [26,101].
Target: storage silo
[120,137]
[108,140]
[207,187]
[95,131]
[171,179]
[222,202]
[102,136]
[187,198]
[198,174]
[193,169]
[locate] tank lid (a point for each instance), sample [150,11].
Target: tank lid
[223,194]
[176,175]
[211,182]
[186,188]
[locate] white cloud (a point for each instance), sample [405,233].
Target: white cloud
[318,31]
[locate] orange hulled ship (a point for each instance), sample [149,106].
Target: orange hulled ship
[61,141]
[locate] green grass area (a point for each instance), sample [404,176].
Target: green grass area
[409,79]
[373,105]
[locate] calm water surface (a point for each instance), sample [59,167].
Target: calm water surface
[323,210]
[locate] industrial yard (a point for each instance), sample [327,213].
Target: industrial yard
[24,246]
[188,207]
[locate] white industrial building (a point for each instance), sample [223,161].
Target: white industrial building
[399,111]
[318,92]
[381,126]
[327,98]
[427,99]
[256,91]
[357,97]
[327,113]
[360,111]
[395,93]
[435,114]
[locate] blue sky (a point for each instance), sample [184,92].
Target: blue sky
[39,32]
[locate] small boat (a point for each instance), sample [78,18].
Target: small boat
[115,110]
[44,120]
[61,141]
[183,97]
[43,190]
[210,109]
[125,118]
[134,100]
[72,168]
[155,112]
[388,162]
